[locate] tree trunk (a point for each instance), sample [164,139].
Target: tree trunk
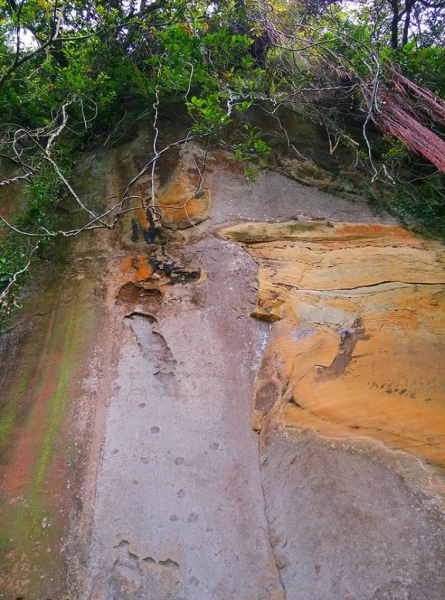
[408,8]
[395,24]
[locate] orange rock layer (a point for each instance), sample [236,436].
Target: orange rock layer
[183,202]
[358,344]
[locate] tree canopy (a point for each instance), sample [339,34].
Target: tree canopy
[75,74]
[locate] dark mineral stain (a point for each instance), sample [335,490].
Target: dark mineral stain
[134,230]
[149,233]
[173,272]
[349,340]
[294,402]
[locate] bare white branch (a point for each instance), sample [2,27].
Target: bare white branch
[17,274]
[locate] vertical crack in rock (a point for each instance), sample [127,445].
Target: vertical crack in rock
[269,532]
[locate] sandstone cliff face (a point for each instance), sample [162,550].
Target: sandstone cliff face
[359,348]
[129,452]
[356,353]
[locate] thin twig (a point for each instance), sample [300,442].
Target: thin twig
[18,273]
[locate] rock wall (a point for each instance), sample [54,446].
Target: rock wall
[359,348]
[356,354]
[130,468]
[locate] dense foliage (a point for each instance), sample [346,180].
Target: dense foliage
[74,74]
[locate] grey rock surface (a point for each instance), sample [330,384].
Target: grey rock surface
[179,511]
[344,522]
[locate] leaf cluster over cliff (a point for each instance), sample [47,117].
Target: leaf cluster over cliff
[76,75]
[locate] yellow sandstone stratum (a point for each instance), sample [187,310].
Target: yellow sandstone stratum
[358,342]
[183,201]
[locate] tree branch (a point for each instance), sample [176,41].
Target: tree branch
[17,274]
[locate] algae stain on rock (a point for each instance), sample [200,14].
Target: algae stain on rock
[9,412]
[34,519]
[65,335]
